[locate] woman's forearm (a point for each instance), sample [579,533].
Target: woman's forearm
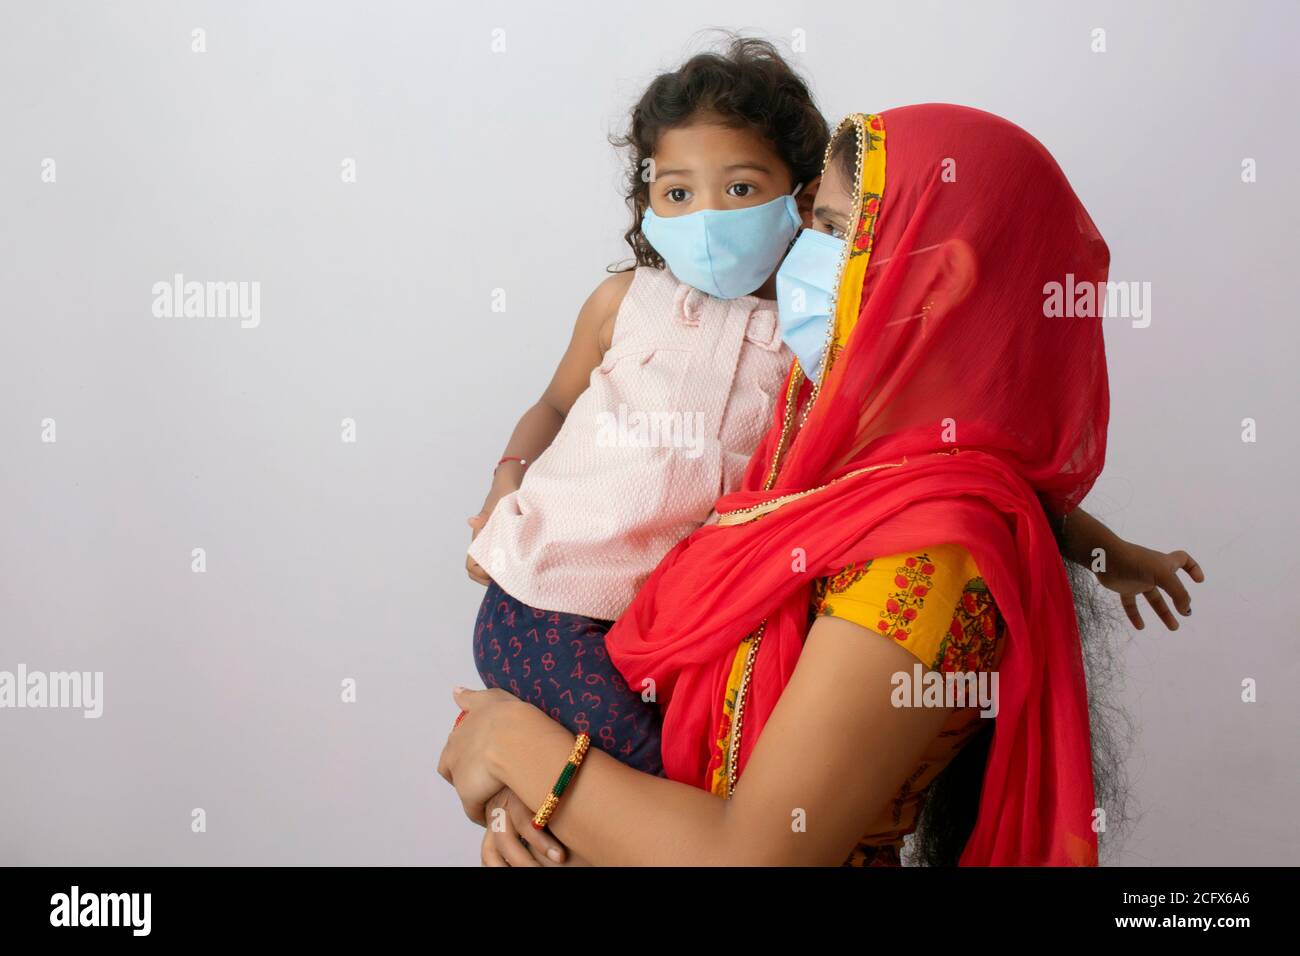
[611,814]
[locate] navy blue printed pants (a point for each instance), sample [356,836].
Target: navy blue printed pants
[558,662]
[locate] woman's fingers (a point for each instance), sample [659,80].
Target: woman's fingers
[545,847]
[1131,609]
[505,838]
[489,854]
[502,834]
[515,853]
[1157,602]
[471,811]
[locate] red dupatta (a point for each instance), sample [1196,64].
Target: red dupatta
[951,425]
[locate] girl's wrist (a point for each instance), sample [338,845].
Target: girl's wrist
[1119,553]
[507,477]
[503,483]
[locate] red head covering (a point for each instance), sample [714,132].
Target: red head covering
[955,426]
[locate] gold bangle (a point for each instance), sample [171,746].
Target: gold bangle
[552,800]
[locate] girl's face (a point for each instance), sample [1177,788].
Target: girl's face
[707,165]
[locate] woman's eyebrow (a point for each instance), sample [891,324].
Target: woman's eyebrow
[833,216]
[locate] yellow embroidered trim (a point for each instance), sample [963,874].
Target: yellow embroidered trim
[871,190]
[719,784]
[852,270]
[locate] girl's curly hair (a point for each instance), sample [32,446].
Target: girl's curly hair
[746,84]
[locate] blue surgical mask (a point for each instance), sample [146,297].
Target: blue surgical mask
[724,252]
[804,284]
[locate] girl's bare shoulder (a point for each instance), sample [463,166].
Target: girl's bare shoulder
[605,302]
[612,290]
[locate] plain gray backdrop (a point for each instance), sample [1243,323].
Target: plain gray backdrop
[479,170]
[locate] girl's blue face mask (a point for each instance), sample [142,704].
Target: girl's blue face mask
[724,252]
[804,286]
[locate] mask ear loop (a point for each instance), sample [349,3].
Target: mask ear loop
[875,262]
[798,232]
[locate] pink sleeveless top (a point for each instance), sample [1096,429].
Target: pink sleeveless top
[665,427]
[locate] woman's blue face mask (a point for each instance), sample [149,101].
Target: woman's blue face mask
[804,286]
[724,252]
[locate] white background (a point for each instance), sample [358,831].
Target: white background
[479,171]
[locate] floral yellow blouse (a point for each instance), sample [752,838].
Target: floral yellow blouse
[934,603]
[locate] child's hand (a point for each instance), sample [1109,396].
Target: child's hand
[475,569]
[505,480]
[1132,570]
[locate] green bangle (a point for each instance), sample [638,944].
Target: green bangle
[562,783]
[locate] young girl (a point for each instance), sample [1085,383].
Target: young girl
[667,386]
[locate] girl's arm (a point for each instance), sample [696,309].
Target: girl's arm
[1130,569]
[1083,534]
[831,756]
[539,425]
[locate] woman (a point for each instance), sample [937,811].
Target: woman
[901,505]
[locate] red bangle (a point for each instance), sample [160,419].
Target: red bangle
[522,462]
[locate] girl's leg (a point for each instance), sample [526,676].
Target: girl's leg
[558,662]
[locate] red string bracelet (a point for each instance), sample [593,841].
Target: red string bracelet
[522,462]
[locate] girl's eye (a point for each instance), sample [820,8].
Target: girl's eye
[740,190]
[677,194]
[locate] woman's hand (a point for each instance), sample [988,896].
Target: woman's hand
[465,761]
[1132,570]
[511,839]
